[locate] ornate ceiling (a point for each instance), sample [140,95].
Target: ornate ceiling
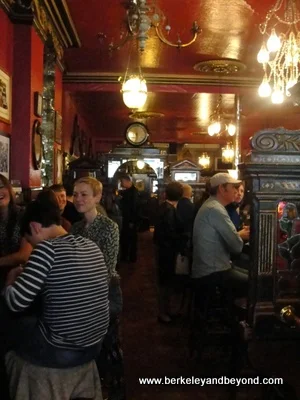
[180,88]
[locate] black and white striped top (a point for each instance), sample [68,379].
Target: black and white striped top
[70,274]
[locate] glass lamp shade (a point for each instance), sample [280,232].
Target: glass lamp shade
[204,160]
[217,127]
[231,129]
[264,89]
[134,92]
[277,97]
[273,43]
[263,55]
[211,130]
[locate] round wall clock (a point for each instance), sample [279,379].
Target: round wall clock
[136,134]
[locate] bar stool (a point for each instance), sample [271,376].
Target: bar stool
[209,301]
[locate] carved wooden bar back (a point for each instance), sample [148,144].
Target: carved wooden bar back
[272,177]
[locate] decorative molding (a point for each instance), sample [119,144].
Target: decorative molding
[19,11]
[279,139]
[280,186]
[185,165]
[275,159]
[51,17]
[44,27]
[145,115]
[266,248]
[192,80]
[225,66]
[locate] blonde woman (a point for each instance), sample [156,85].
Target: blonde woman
[105,233]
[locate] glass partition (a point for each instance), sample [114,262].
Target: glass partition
[288,249]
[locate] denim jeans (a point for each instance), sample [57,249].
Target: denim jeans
[22,334]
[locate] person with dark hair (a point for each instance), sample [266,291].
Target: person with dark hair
[72,322]
[14,249]
[185,209]
[70,213]
[60,193]
[205,195]
[233,208]
[130,213]
[168,241]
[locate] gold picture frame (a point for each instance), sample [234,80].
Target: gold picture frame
[5,97]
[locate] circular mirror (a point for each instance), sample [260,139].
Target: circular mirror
[136,134]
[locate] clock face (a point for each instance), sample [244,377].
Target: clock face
[136,134]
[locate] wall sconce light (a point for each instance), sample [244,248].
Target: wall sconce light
[228,153]
[204,160]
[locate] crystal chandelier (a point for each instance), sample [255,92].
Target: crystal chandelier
[279,55]
[204,160]
[140,18]
[217,122]
[228,153]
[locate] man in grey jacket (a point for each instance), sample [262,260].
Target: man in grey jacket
[215,237]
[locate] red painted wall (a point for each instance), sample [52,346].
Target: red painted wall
[70,109]
[6,55]
[28,78]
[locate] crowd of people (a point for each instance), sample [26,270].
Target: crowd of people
[61,293]
[61,288]
[208,233]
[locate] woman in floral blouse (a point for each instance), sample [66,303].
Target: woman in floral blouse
[105,233]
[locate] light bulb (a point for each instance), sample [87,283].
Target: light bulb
[231,129]
[263,55]
[264,89]
[211,130]
[277,97]
[217,127]
[289,85]
[140,164]
[273,43]
[134,92]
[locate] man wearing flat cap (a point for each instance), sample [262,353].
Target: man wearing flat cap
[215,237]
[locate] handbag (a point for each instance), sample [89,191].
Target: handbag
[182,265]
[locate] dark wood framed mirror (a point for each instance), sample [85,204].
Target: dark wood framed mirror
[37,145]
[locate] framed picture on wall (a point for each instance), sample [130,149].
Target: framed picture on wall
[5,97]
[4,155]
[38,104]
[58,127]
[222,166]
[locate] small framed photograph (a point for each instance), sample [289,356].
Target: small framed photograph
[4,155]
[58,127]
[38,104]
[5,97]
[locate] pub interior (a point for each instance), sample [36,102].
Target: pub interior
[152,98]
